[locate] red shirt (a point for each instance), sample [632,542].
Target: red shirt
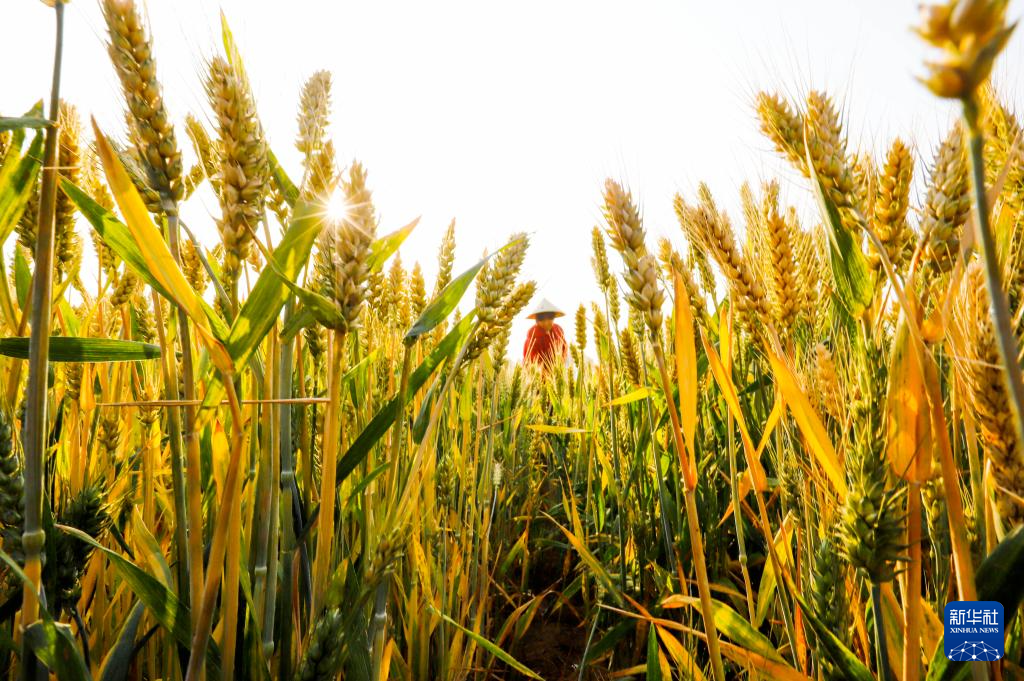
[545,346]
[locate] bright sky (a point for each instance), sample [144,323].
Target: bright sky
[509,116]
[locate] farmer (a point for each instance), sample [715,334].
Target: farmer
[545,341]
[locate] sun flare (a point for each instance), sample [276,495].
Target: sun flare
[338,208]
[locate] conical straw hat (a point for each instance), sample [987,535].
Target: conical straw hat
[543,306]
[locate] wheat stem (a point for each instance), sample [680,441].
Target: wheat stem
[287,528]
[378,631]
[187,419]
[33,536]
[616,457]
[187,574]
[1006,341]
[328,494]
[913,617]
[734,490]
[204,620]
[881,645]
[266,477]
[229,588]
[693,525]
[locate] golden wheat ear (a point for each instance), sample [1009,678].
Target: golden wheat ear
[784,127]
[131,51]
[986,388]
[244,173]
[947,202]
[891,203]
[711,231]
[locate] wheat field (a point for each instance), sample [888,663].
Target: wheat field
[777,449]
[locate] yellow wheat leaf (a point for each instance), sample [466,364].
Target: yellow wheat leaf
[766,661]
[894,625]
[686,364]
[932,631]
[666,670]
[221,454]
[769,582]
[628,672]
[769,426]
[809,422]
[768,668]
[588,558]
[907,414]
[680,655]
[630,397]
[159,261]
[725,338]
[732,399]
[149,548]
[87,397]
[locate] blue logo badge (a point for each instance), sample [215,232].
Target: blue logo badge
[974,631]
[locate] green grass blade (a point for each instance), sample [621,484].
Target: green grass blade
[845,661]
[71,323]
[18,134]
[300,319]
[322,309]
[419,424]
[116,235]
[113,233]
[850,270]
[355,496]
[653,667]
[68,349]
[264,303]
[380,423]
[54,644]
[284,183]
[590,560]
[488,646]
[162,603]
[325,313]
[22,277]
[118,661]
[442,306]
[51,642]
[742,632]
[19,122]
[610,639]
[384,247]
[17,184]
